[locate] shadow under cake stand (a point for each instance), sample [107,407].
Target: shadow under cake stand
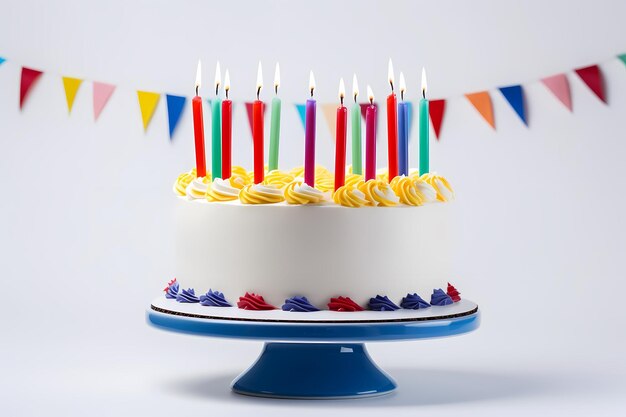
[314,355]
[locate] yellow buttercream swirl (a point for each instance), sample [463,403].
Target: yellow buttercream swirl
[278,178]
[406,188]
[198,187]
[382,175]
[324,179]
[440,184]
[297,192]
[183,180]
[378,193]
[353,179]
[241,175]
[261,194]
[349,196]
[224,190]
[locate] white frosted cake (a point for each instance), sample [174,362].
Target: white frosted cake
[282,244]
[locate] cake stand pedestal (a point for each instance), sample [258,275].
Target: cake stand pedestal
[316,358]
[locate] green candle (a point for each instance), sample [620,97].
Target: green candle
[357,160]
[275,125]
[424,129]
[216,127]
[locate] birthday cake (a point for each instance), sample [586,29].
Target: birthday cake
[306,239]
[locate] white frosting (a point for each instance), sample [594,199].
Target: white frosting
[197,188]
[445,191]
[267,189]
[281,250]
[306,189]
[427,190]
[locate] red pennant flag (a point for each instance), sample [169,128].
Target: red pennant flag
[592,76]
[249,112]
[436,108]
[29,76]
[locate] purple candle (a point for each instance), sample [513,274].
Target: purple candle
[370,138]
[309,137]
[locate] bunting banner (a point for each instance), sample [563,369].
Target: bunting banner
[436,110]
[482,103]
[514,94]
[249,113]
[175,106]
[148,102]
[102,92]
[330,114]
[71,86]
[592,76]
[559,86]
[29,76]
[302,113]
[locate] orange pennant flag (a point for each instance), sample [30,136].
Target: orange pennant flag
[482,102]
[330,114]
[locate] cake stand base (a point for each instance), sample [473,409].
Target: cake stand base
[314,371]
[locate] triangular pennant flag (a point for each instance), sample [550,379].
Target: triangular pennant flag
[71,86]
[482,102]
[249,112]
[330,114]
[301,112]
[592,76]
[620,56]
[436,109]
[147,103]
[559,86]
[364,109]
[514,94]
[101,94]
[29,76]
[175,106]
[2,60]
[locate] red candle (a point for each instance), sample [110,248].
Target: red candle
[340,139]
[257,131]
[392,128]
[227,130]
[370,138]
[198,128]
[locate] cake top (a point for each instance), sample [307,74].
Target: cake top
[289,187]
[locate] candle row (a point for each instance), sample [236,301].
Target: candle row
[397,130]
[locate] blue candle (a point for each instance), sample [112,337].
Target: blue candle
[403,131]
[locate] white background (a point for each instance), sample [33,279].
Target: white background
[87,212]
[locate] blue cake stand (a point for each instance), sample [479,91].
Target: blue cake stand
[314,359]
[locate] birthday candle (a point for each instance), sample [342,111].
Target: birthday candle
[198,127]
[275,123]
[392,127]
[227,129]
[257,130]
[309,136]
[370,137]
[424,131]
[403,131]
[355,114]
[340,139]
[216,129]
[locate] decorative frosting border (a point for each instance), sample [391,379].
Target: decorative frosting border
[289,186]
[255,302]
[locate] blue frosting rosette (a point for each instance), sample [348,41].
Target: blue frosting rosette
[299,304]
[214,299]
[413,302]
[187,296]
[382,303]
[440,298]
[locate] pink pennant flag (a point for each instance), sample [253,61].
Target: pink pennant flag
[559,86]
[101,94]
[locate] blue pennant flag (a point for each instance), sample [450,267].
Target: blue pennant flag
[175,106]
[301,111]
[514,94]
[2,60]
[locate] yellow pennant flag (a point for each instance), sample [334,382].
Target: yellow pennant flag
[147,103]
[71,88]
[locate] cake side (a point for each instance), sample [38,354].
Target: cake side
[282,251]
